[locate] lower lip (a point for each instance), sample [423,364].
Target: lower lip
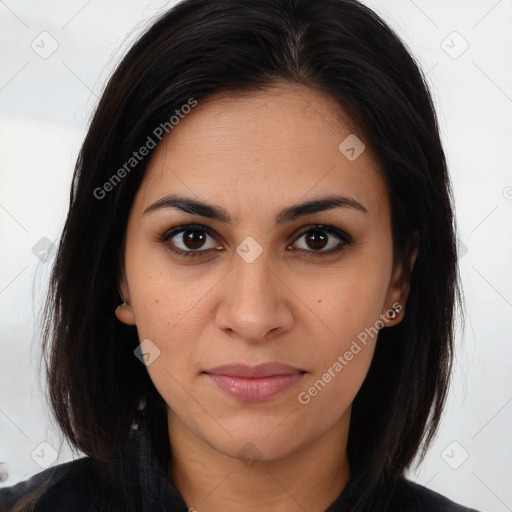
[255,390]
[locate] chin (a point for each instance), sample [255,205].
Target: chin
[253,443]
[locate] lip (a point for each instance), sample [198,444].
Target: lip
[255,389]
[254,372]
[254,383]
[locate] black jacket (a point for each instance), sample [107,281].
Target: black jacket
[141,485]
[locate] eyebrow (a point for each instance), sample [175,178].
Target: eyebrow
[288,214]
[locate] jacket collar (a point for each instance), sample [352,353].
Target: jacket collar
[149,486]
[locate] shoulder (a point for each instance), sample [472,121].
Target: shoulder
[409,496]
[69,486]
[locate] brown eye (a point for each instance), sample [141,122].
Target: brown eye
[319,238]
[189,241]
[316,240]
[193,239]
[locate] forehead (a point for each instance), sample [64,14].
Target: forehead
[274,146]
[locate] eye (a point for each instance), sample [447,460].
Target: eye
[188,241]
[191,241]
[320,236]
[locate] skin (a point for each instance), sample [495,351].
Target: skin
[253,155]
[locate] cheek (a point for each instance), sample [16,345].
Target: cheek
[346,301]
[168,312]
[171,306]
[344,346]
[328,394]
[347,310]
[163,294]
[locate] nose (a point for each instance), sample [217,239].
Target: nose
[255,303]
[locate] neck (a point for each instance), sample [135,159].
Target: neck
[309,478]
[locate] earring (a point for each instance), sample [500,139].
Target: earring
[394,312]
[120,306]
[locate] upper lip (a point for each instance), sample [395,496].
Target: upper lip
[257,371]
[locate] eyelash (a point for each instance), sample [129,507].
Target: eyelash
[346,239]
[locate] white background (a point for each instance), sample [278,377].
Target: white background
[45,105]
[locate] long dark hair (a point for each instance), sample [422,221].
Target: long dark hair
[201,48]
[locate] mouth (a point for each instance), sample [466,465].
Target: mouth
[254,383]
[254,372]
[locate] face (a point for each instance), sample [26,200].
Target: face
[261,281]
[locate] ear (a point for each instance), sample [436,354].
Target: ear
[124,312]
[399,286]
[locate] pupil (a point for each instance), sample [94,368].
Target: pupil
[316,237]
[193,241]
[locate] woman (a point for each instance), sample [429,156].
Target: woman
[252,301]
